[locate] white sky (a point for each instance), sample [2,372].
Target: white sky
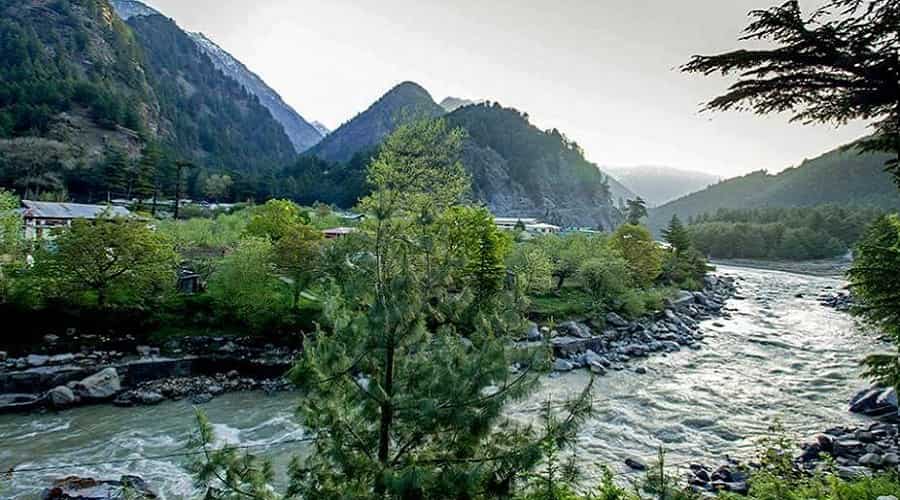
[602,72]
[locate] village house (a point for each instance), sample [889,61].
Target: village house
[40,218]
[531,225]
[338,232]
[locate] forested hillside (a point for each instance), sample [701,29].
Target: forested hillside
[781,233]
[520,170]
[209,117]
[840,177]
[71,86]
[91,107]
[404,103]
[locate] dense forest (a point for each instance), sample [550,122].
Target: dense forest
[841,177]
[92,107]
[781,233]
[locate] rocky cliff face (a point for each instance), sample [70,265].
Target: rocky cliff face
[302,134]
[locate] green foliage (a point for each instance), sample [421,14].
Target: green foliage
[635,210]
[532,267]
[245,287]
[567,254]
[197,237]
[298,256]
[110,262]
[11,240]
[405,389]
[677,236]
[607,278]
[643,255]
[876,284]
[276,219]
[53,63]
[780,233]
[246,476]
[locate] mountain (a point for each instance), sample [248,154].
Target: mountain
[404,103]
[210,117]
[658,185]
[321,128]
[451,104]
[126,9]
[303,135]
[519,170]
[839,177]
[72,86]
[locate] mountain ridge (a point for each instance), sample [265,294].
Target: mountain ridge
[840,177]
[658,184]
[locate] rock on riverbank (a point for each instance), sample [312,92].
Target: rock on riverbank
[577,345]
[196,367]
[78,488]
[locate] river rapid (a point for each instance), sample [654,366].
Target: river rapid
[780,357]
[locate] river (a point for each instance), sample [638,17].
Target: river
[779,357]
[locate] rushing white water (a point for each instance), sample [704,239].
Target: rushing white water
[780,356]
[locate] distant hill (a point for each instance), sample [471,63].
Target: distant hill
[659,185]
[323,130]
[451,104]
[839,177]
[404,103]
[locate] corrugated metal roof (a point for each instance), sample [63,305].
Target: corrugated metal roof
[50,210]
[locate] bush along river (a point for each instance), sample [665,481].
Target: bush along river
[705,381]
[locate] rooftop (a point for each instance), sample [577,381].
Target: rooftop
[51,210]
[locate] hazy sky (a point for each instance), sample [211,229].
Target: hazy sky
[603,72]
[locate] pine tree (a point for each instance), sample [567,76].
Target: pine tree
[677,235]
[635,210]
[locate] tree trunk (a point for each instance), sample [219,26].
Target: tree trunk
[387,416]
[560,279]
[101,296]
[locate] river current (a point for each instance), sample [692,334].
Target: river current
[780,357]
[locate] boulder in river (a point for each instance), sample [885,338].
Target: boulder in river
[78,488]
[62,397]
[99,386]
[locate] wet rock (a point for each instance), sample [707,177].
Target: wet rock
[640,370]
[852,472]
[3,356]
[77,488]
[37,360]
[563,365]
[150,398]
[635,464]
[62,397]
[100,386]
[616,320]
[871,460]
[202,398]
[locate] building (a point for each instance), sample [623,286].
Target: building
[42,217]
[338,232]
[531,225]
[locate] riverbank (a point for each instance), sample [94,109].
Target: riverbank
[778,356]
[833,268]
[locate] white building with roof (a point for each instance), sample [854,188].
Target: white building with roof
[42,217]
[531,225]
